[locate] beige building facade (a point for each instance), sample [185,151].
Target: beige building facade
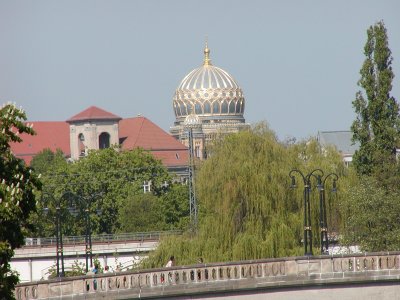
[92,129]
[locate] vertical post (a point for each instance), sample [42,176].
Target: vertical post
[309,229]
[321,218]
[90,240]
[57,240]
[305,221]
[324,226]
[61,247]
[324,222]
[87,239]
[192,194]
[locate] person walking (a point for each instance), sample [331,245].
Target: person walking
[171,262]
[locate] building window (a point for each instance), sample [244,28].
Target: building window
[224,107]
[216,107]
[232,107]
[207,107]
[104,140]
[146,186]
[183,110]
[81,144]
[197,151]
[198,109]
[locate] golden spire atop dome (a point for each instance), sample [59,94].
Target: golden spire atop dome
[207,60]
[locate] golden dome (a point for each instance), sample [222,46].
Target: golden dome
[210,93]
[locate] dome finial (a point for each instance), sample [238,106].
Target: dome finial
[207,60]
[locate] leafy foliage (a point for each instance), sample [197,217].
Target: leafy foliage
[46,161]
[141,213]
[370,207]
[17,200]
[377,124]
[109,183]
[372,216]
[175,207]
[247,210]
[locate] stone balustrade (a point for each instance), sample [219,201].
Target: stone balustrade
[222,277]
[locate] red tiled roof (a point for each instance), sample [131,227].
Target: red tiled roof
[49,135]
[93,113]
[133,132]
[141,132]
[173,158]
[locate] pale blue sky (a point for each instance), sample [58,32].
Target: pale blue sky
[297,62]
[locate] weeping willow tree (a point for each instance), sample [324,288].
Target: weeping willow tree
[247,209]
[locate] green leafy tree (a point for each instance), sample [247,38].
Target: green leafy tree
[247,209]
[17,199]
[47,161]
[371,216]
[175,207]
[101,182]
[370,208]
[141,213]
[377,124]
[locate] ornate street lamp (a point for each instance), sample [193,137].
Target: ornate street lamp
[316,173]
[86,202]
[322,203]
[59,239]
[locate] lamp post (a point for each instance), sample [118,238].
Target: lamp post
[59,239]
[88,237]
[316,173]
[322,216]
[85,203]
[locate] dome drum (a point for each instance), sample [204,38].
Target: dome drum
[209,108]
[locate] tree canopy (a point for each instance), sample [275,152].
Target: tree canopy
[371,217]
[17,199]
[109,182]
[46,161]
[246,207]
[370,207]
[377,122]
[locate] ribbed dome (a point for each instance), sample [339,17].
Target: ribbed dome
[210,93]
[208,77]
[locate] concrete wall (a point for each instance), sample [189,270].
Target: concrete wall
[34,263]
[366,276]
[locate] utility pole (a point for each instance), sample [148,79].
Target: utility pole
[192,192]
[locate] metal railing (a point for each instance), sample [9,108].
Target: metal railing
[101,238]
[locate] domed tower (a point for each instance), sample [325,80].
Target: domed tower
[212,95]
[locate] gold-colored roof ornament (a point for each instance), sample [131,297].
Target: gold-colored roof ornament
[207,60]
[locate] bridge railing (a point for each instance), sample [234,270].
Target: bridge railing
[197,279]
[101,238]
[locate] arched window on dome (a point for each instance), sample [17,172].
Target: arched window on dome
[207,107]
[183,109]
[238,107]
[104,140]
[232,107]
[197,109]
[177,110]
[224,107]
[242,105]
[216,107]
